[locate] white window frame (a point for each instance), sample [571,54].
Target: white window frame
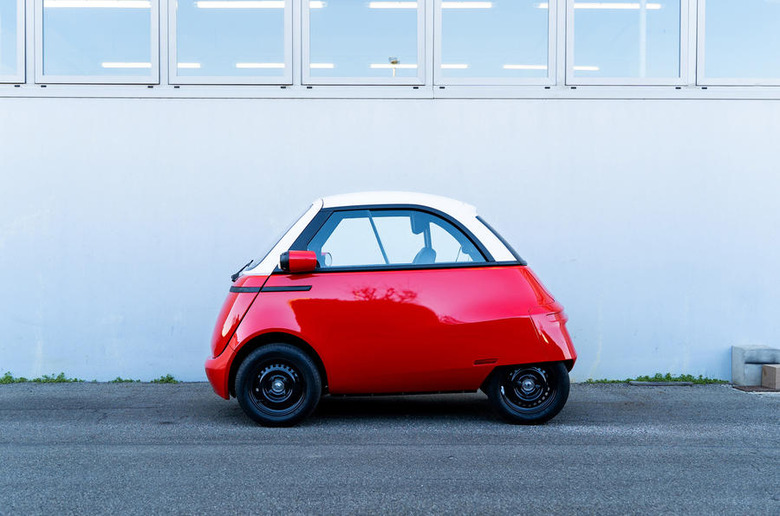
[285,79]
[19,76]
[422,62]
[152,78]
[684,56]
[701,76]
[439,79]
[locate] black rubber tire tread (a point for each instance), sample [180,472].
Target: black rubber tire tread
[559,381]
[304,364]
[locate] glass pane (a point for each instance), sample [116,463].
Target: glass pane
[401,245]
[627,39]
[407,237]
[352,242]
[448,250]
[230,38]
[8,35]
[503,38]
[351,38]
[97,37]
[742,39]
[415,237]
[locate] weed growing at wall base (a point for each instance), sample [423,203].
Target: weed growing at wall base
[166,379]
[9,378]
[60,378]
[658,377]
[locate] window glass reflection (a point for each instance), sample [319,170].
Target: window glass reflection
[742,39]
[627,39]
[398,240]
[391,237]
[97,37]
[230,38]
[8,35]
[353,242]
[351,38]
[502,38]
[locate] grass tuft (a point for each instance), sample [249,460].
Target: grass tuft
[9,378]
[166,379]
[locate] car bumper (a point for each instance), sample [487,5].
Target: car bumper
[218,372]
[553,335]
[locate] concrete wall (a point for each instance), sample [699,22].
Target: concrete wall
[654,222]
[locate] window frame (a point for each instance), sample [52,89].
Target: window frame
[173,70]
[20,75]
[701,76]
[151,79]
[550,80]
[422,62]
[307,235]
[684,57]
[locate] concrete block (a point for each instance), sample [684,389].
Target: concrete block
[746,363]
[752,375]
[770,376]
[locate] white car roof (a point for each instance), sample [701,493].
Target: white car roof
[460,211]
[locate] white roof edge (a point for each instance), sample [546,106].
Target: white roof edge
[438,202]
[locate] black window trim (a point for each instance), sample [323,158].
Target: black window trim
[407,267]
[324,214]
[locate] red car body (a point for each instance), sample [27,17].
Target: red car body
[406,329]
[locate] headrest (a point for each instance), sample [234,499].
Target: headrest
[420,222]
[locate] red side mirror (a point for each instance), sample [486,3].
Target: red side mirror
[298,261]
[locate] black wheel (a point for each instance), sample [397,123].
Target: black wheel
[278,385]
[529,394]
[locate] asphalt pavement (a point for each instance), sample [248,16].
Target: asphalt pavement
[614,449]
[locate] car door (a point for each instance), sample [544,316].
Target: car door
[403,301]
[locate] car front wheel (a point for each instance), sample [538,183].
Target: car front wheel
[529,394]
[278,385]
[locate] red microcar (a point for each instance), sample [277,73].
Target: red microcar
[390,293]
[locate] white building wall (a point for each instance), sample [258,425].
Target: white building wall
[655,222]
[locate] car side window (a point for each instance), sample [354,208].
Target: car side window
[387,237]
[401,245]
[351,242]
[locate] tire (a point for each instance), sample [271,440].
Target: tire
[529,394]
[278,385]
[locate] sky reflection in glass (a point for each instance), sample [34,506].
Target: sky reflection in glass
[8,35]
[212,40]
[503,38]
[110,39]
[349,38]
[742,39]
[630,40]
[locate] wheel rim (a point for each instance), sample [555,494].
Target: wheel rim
[527,388]
[277,388]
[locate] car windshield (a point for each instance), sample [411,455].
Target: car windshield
[279,236]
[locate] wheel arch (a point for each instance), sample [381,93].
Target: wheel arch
[275,338]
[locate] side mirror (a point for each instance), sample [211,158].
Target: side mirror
[298,261]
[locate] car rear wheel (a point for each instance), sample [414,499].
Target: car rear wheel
[529,394]
[278,385]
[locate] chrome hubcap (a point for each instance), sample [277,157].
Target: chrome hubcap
[527,385]
[277,386]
